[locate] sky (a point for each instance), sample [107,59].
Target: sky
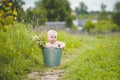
[93,5]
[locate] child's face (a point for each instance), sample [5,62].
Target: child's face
[52,38]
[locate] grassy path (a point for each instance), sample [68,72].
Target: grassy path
[52,73]
[56,73]
[96,58]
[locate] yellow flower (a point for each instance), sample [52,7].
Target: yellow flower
[15,18]
[5,28]
[104,46]
[10,4]
[19,53]
[15,12]
[68,50]
[72,45]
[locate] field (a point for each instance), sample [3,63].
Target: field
[97,58]
[87,57]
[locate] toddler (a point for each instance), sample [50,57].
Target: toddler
[52,38]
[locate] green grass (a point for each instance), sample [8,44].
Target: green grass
[97,59]
[90,57]
[19,54]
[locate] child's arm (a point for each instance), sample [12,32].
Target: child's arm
[60,44]
[48,45]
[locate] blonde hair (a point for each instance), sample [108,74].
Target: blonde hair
[52,32]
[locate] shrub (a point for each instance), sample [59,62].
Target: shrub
[89,26]
[104,26]
[18,53]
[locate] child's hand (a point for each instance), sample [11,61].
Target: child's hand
[61,44]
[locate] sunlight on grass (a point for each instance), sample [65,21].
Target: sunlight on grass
[98,61]
[87,57]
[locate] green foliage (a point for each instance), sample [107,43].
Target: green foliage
[103,15]
[97,59]
[101,26]
[82,9]
[5,22]
[9,13]
[116,18]
[116,14]
[35,16]
[87,16]
[103,7]
[74,27]
[18,52]
[12,8]
[104,26]
[89,26]
[72,42]
[47,10]
[58,11]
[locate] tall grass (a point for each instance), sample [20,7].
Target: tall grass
[18,53]
[99,59]
[72,41]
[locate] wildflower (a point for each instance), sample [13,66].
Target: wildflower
[5,28]
[19,53]
[72,45]
[15,18]
[69,50]
[15,12]
[10,4]
[104,46]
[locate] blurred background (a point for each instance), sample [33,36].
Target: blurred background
[81,15]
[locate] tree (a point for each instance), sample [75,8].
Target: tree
[35,16]
[28,16]
[82,9]
[11,8]
[116,14]
[9,12]
[88,26]
[19,4]
[57,10]
[39,13]
[103,14]
[103,7]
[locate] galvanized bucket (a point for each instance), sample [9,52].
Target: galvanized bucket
[52,56]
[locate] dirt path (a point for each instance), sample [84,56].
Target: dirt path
[48,75]
[51,73]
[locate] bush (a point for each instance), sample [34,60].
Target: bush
[102,26]
[18,53]
[89,26]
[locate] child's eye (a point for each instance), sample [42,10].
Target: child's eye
[53,37]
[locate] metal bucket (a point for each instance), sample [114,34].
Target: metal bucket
[52,56]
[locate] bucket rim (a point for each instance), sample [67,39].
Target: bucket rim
[51,48]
